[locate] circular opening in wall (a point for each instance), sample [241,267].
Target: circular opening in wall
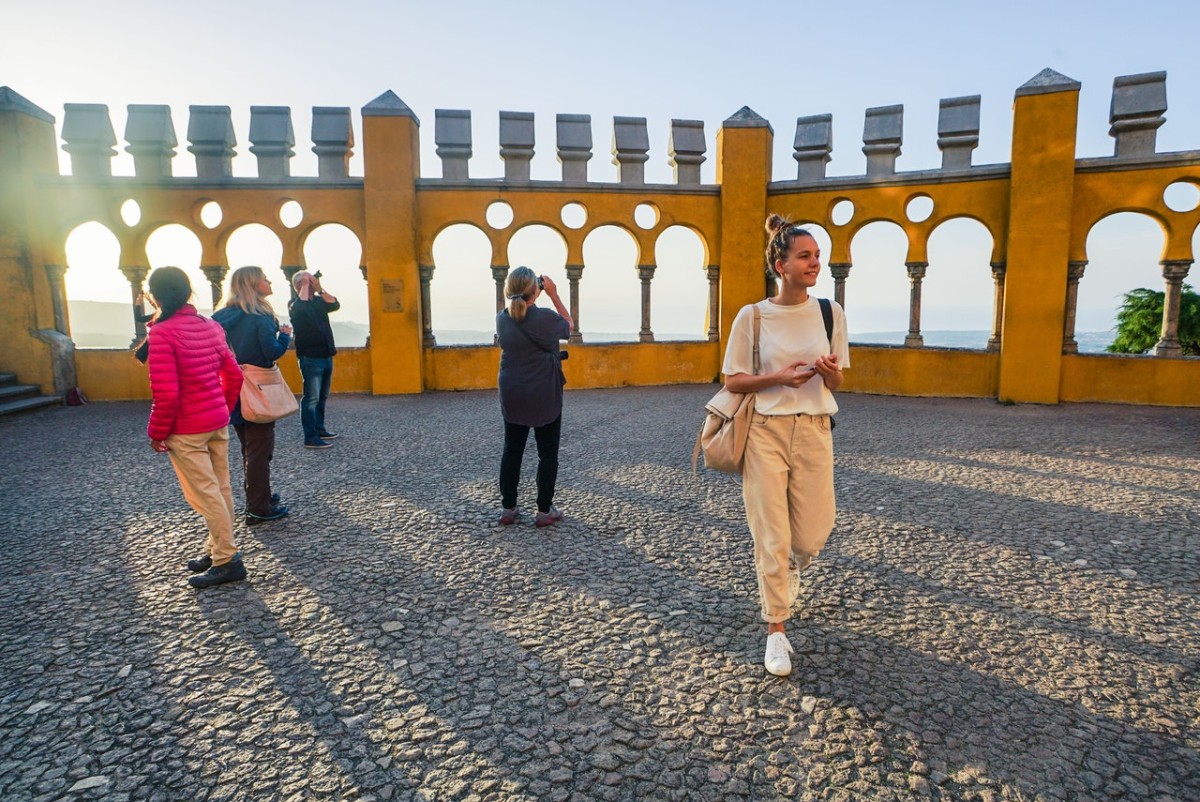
[131,213]
[919,208]
[499,215]
[291,213]
[646,215]
[210,214]
[574,215]
[842,212]
[1182,196]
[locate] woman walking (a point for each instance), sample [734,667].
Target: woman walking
[256,339]
[787,482]
[531,388]
[194,383]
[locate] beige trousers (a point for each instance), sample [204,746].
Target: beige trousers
[787,485]
[201,462]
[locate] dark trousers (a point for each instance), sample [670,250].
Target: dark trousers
[515,437]
[258,446]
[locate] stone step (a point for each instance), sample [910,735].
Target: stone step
[26,404]
[11,391]
[8,378]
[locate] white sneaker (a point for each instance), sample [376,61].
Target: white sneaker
[777,660]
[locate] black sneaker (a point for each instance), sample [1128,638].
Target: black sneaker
[200,564]
[232,571]
[274,499]
[274,515]
[318,443]
[326,435]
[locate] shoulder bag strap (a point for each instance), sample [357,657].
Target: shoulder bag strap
[757,324]
[827,316]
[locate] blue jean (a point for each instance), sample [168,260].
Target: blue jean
[318,373]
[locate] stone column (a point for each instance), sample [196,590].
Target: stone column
[574,145]
[216,276]
[813,145]
[290,271]
[1174,271]
[645,273]
[686,149]
[1074,273]
[452,135]
[89,137]
[332,138]
[997,306]
[714,302]
[55,274]
[958,131]
[151,137]
[631,148]
[840,272]
[499,274]
[426,310]
[210,131]
[516,144]
[916,272]
[136,276]
[272,140]
[1136,113]
[574,274]
[883,132]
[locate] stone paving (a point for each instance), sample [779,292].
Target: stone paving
[1007,610]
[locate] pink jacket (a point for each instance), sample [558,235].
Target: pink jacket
[194,379]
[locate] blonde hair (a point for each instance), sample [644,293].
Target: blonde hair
[244,294]
[520,287]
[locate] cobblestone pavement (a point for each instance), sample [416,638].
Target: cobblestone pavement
[1007,610]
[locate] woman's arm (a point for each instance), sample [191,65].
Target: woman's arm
[549,287]
[794,375]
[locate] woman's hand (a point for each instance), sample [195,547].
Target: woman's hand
[285,329]
[160,446]
[795,374]
[549,287]
[829,370]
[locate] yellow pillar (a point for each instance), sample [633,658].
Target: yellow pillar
[743,170]
[1045,114]
[32,349]
[391,166]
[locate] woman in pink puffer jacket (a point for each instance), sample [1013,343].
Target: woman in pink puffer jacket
[194,383]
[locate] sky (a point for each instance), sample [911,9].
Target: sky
[661,60]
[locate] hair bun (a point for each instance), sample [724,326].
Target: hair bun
[775,222]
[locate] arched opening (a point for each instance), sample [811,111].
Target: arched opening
[462,292]
[98,295]
[255,244]
[1123,254]
[610,306]
[177,246]
[877,289]
[958,290]
[334,250]
[679,290]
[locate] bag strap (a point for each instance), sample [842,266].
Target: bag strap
[757,325]
[827,316]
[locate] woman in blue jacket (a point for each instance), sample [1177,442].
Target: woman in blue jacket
[256,338]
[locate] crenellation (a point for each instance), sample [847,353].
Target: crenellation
[272,140]
[958,130]
[1136,112]
[883,131]
[686,148]
[574,132]
[89,137]
[210,132]
[452,136]
[631,148]
[150,133]
[516,144]
[333,140]
[813,145]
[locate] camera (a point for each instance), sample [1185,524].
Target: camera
[541,284]
[317,275]
[562,355]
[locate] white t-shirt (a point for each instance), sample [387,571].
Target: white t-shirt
[787,334]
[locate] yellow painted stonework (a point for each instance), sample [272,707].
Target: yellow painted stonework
[1038,210]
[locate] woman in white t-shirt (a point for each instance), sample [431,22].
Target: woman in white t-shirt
[788,473]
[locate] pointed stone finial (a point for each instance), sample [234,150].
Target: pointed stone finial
[883,132]
[574,145]
[1138,103]
[388,105]
[210,130]
[516,144]
[746,117]
[150,133]
[686,148]
[89,137]
[1046,82]
[958,130]
[812,146]
[272,140]
[452,135]
[13,101]
[333,138]
[631,148]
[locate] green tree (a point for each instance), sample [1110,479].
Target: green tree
[1139,322]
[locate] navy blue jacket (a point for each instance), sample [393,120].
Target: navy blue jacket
[254,340]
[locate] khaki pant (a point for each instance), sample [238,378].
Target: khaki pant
[201,462]
[787,485]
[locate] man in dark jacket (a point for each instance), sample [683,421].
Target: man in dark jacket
[314,349]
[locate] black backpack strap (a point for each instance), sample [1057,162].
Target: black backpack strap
[827,316]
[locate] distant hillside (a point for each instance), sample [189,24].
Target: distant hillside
[103,324]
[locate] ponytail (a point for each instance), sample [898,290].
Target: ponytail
[520,287]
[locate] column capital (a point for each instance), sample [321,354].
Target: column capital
[574,272]
[1175,269]
[998,269]
[135,274]
[646,272]
[916,270]
[1075,269]
[426,271]
[499,272]
[840,270]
